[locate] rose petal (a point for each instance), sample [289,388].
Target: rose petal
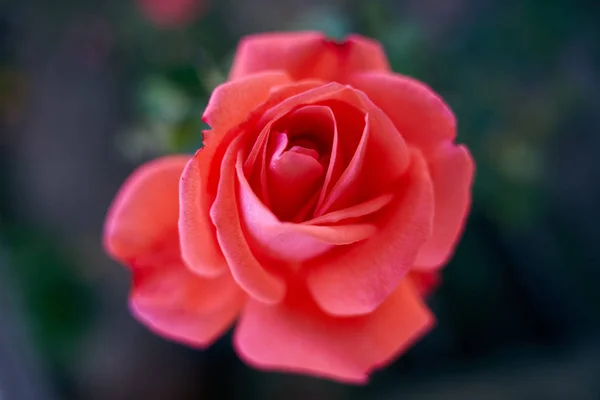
[452,170]
[386,148]
[177,304]
[288,99]
[296,336]
[380,144]
[293,177]
[294,171]
[132,224]
[188,326]
[357,211]
[199,247]
[307,55]
[232,102]
[420,115]
[257,155]
[336,162]
[347,185]
[289,241]
[311,122]
[356,280]
[246,270]
[307,209]
[166,296]
[255,166]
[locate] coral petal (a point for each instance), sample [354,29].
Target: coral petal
[246,269]
[305,55]
[132,224]
[420,115]
[289,241]
[232,102]
[357,280]
[297,336]
[175,303]
[199,247]
[451,169]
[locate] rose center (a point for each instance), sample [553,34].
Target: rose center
[295,172]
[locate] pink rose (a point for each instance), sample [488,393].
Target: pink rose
[327,196]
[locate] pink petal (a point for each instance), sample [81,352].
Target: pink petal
[290,241]
[420,115]
[296,336]
[452,170]
[379,144]
[336,163]
[245,268]
[132,224]
[347,185]
[295,172]
[356,280]
[307,55]
[141,231]
[232,102]
[179,305]
[199,247]
[293,177]
[354,212]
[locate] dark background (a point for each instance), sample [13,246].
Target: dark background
[91,89]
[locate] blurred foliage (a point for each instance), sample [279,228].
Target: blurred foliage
[59,303]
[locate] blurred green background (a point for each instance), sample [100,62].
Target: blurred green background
[90,89]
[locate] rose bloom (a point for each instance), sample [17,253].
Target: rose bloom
[171,14]
[327,196]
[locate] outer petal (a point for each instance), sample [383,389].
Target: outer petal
[296,336]
[420,115]
[232,102]
[307,55]
[357,280]
[141,231]
[179,305]
[452,170]
[133,225]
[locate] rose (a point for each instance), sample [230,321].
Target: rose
[167,14]
[327,196]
